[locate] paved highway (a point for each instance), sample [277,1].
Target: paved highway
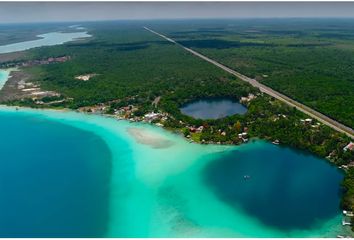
[305,109]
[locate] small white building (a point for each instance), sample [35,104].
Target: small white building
[200,129]
[243,136]
[151,116]
[248,98]
[308,120]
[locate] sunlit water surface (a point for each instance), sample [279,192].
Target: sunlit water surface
[63,162]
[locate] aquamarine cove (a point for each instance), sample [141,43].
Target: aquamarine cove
[68,174]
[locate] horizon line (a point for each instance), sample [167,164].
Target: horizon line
[180,19]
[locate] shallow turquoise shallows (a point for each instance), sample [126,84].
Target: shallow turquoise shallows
[47,39]
[54,179]
[84,175]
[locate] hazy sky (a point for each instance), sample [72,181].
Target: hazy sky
[79,11]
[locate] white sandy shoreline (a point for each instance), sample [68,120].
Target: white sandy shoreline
[143,157]
[146,137]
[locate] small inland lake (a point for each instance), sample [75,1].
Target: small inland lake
[213,108]
[66,174]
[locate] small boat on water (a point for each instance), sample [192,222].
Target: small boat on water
[276,142]
[246,177]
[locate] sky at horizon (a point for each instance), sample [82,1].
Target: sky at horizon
[19,12]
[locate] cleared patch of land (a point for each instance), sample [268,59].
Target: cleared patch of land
[85,77]
[20,85]
[10,91]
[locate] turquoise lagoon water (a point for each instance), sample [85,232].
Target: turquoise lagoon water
[47,39]
[69,163]
[213,108]
[4,75]
[54,179]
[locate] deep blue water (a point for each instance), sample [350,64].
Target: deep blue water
[54,179]
[213,108]
[286,189]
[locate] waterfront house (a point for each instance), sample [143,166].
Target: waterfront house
[348,213]
[199,129]
[349,147]
[192,129]
[151,116]
[308,120]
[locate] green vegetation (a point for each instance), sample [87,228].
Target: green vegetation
[308,60]
[136,63]
[134,67]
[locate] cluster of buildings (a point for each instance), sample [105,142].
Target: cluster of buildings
[31,63]
[194,129]
[152,116]
[307,121]
[243,136]
[310,122]
[279,116]
[349,147]
[347,215]
[127,112]
[97,109]
[247,99]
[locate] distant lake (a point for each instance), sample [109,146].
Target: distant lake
[47,39]
[213,108]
